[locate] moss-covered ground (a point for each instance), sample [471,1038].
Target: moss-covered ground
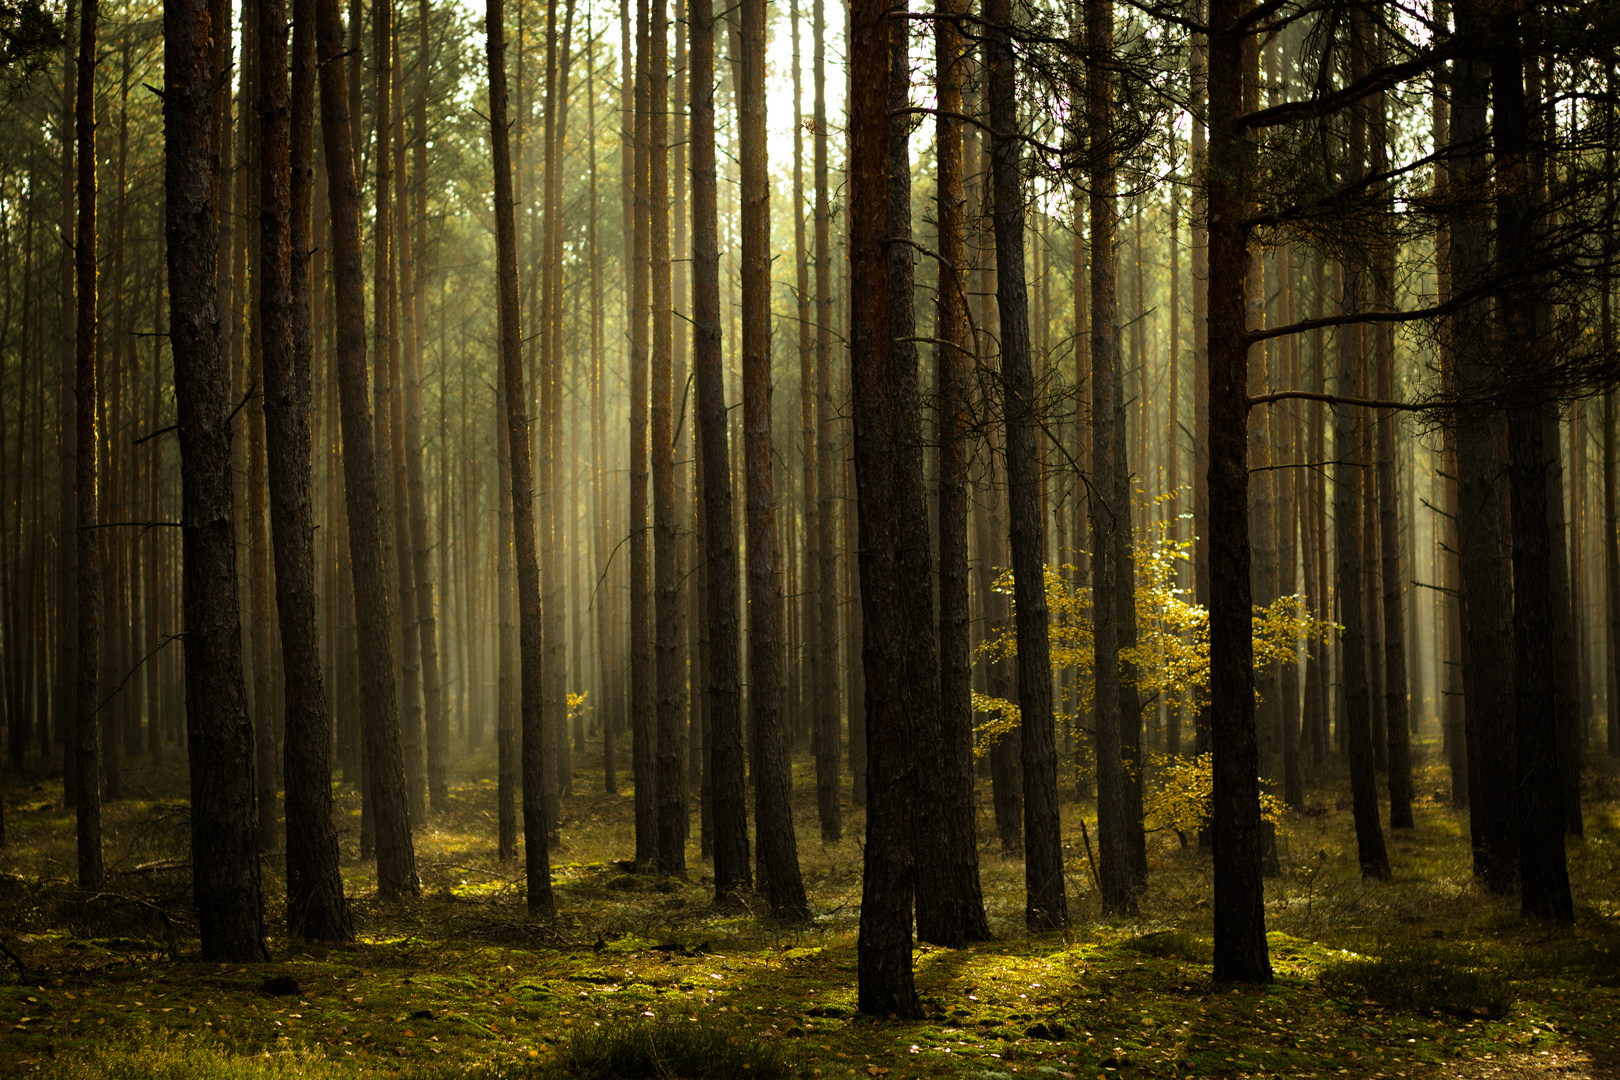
[1422,976]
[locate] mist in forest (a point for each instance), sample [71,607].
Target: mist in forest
[946,427]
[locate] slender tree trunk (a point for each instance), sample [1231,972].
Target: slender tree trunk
[64,690]
[950,904]
[1486,576]
[1543,873]
[224,851]
[773,808]
[1239,909]
[315,906]
[643,733]
[1397,716]
[883,458]
[384,764]
[724,771]
[87,688]
[1110,522]
[670,664]
[537,857]
[1045,904]
[435,721]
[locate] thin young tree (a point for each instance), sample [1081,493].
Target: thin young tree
[86,734]
[1110,523]
[1045,905]
[537,855]
[778,855]
[670,664]
[725,754]
[384,763]
[950,902]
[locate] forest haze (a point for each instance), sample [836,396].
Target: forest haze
[885,489]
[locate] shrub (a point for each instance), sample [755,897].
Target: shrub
[1417,978]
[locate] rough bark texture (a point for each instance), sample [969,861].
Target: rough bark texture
[884,970]
[1543,873]
[950,902]
[773,808]
[316,909]
[1239,909]
[1486,576]
[224,850]
[1045,906]
[725,757]
[384,763]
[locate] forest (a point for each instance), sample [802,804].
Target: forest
[666,539]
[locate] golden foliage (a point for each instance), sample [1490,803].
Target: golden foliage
[1171,656]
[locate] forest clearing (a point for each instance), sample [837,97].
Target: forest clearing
[463,984]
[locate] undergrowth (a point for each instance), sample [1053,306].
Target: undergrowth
[642,977]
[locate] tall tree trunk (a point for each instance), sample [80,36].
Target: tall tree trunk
[315,906]
[224,852]
[384,765]
[1239,909]
[670,664]
[888,469]
[1397,716]
[1045,905]
[773,807]
[643,733]
[1543,874]
[1110,522]
[87,688]
[725,755]
[1486,576]
[435,720]
[950,904]
[537,857]
[1354,544]
[63,693]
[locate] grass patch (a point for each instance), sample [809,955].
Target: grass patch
[1422,978]
[1172,945]
[667,1049]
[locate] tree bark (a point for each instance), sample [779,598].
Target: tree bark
[537,856]
[316,909]
[1486,576]
[1239,909]
[1045,906]
[670,664]
[1543,873]
[725,756]
[773,808]
[950,903]
[884,969]
[87,387]
[383,761]
[1110,522]
[643,733]
[224,851]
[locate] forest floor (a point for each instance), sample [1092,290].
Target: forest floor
[1421,976]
